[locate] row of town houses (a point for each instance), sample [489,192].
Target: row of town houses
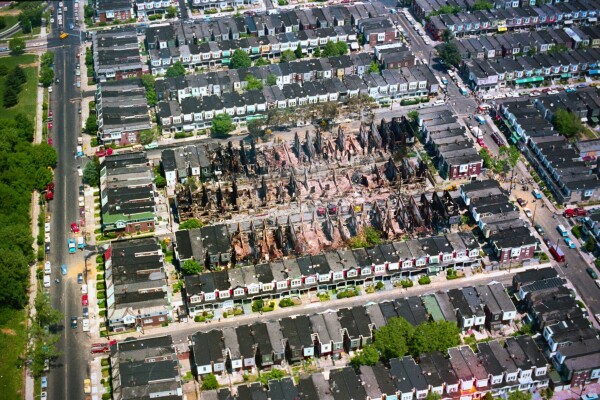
[501,20]
[330,270]
[197,112]
[491,75]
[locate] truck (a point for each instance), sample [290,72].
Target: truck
[557,253]
[575,212]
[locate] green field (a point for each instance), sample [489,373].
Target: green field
[28,95]
[11,20]
[12,344]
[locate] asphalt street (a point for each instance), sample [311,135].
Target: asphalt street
[183,331]
[70,369]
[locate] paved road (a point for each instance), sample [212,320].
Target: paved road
[181,332]
[67,373]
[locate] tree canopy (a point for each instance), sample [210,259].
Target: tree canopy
[287,56]
[392,340]
[449,53]
[209,382]
[175,70]
[481,5]
[240,59]
[222,125]
[191,267]
[91,172]
[16,46]
[261,61]
[369,355]
[567,123]
[253,83]
[148,81]
[518,395]
[434,336]
[332,49]
[271,80]
[191,223]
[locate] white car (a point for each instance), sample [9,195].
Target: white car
[47,227]
[44,396]
[85,325]
[47,268]
[81,201]
[84,289]
[527,212]
[79,171]
[597,282]
[46,281]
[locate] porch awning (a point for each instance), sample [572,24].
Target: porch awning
[530,80]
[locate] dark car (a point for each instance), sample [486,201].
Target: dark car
[80,278]
[522,202]
[86,312]
[73,322]
[47,247]
[539,229]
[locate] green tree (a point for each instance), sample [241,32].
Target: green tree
[434,336]
[42,178]
[16,46]
[148,136]
[149,82]
[317,52]
[222,125]
[47,59]
[447,35]
[449,53]
[240,59]
[175,70]
[341,47]
[46,76]
[3,70]
[567,123]
[374,67]
[253,83]
[367,356]
[191,267]
[590,244]
[298,52]
[271,80]
[171,11]
[433,396]
[481,5]
[45,314]
[44,347]
[511,154]
[261,61]
[191,223]
[488,396]
[91,173]
[91,124]
[372,235]
[287,56]
[10,97]
[330,49]
[392,339]
[255,127]
[559,48]
[18,75]
[160,181]
[413,116]
[2,22]
[518,395]
[209,382]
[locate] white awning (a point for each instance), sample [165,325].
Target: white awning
[584,119]
[188,128]
[593,19]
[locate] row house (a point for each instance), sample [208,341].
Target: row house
[216,53]
[222,4]
[116,54]
[335,269]
[501,20]
[493,74]
[446,140]
[197,112]
[490,207]
[144,8]
[113,10]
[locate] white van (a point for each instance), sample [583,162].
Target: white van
[439,103]
[47,268]
[46,281]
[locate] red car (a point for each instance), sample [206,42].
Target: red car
[50,142]
[49,125]
[50,187]
[84,300]
[50,113]
[104,152]
[75,227]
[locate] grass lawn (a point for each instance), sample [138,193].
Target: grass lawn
[27,36]
[11,20]
[28,95]
[12,344]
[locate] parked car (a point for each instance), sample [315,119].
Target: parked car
[44,382]
[522,202]
[72,246]
[87,386]
[539,229]
[85,312]
[85,325]
[591,273]
[528,212]
[570,243]
[73,322]
[74,227]
[536,194]
[84,300]
[150,146]
[80,278]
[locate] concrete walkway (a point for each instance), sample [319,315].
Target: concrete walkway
[180,331]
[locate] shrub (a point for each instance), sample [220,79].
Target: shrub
[238,311]
[576,231]
[287,302]
[104,362]
[101,295]
[102,313]
[350,292]
[406,283]
[379,285]
[199,318]
[424,280]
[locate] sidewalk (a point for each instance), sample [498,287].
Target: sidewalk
[437,283]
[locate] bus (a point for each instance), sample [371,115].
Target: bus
[557,253]
[63,35]
[562,230]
